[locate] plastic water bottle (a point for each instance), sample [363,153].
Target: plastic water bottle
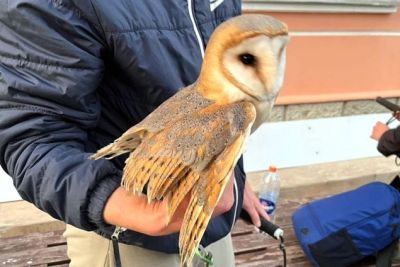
[269,192]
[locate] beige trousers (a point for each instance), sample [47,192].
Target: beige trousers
[90,249]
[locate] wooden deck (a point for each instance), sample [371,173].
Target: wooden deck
[260,250]
[252,249]
[36,249]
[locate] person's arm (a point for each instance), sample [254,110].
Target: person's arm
[388,139]
[50,67]
[135,213]
[389,143]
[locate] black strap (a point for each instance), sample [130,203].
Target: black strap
[117,257]
[396,182]
[384,257]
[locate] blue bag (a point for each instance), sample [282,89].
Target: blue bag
[343,229]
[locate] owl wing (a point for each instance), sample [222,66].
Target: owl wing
[171,160]
[204,200]
[194,154]
[194,150]
[186,101]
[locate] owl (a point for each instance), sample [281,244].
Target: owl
[191,143]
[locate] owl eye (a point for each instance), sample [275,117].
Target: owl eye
[248,59]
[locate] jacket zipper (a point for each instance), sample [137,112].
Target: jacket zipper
[118,230]
[195,27]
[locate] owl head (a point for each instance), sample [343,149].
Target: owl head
[245,60]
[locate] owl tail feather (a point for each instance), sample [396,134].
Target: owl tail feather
[206,194]
[180,190]
[193,227]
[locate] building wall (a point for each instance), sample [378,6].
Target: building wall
[337,64]
[340,57]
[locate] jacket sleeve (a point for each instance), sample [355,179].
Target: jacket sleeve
[389,143]
[50,67]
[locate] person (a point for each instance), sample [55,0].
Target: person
[389,144]
[388,139]
[74,75]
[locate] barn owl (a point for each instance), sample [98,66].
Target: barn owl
[191,143]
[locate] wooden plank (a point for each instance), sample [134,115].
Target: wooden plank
[250,242]
[242,228]
[36,249]
[272,256]
[256,249]
[48,256]
[34,240]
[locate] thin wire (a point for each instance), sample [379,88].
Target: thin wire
[283,248]
[392,119]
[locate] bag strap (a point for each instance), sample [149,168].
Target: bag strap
[384,257]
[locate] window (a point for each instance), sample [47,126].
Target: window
[342,6]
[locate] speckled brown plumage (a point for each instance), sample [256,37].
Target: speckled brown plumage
[191,143]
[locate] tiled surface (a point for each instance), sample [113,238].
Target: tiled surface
[328,110]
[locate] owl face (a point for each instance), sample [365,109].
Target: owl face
[255,66]
[245,60]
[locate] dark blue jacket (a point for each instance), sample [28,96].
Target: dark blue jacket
[74,75]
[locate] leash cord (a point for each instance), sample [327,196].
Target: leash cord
[283,248]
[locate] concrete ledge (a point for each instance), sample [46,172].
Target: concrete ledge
[21,217]
[331,178]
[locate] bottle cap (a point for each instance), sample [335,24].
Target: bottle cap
[272,168]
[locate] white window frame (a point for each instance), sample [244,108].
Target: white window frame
[324,6]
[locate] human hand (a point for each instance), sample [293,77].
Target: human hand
[224,204]
[397,115]
[252,205]
[227,199]
[135,213]
[378,130]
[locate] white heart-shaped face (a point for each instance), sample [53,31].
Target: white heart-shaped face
[256,66]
